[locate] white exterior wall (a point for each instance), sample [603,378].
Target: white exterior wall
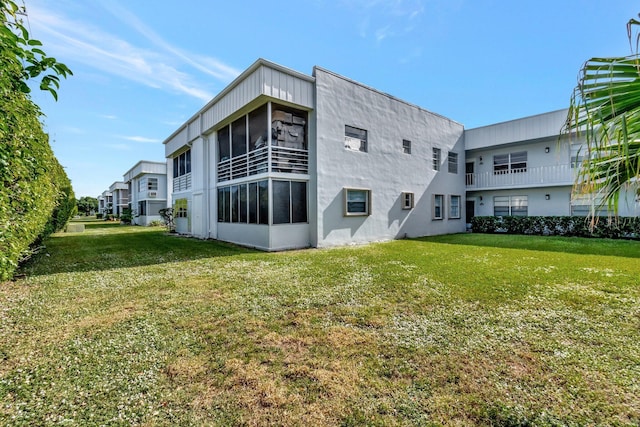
[384,169]
[549,169]
[146,169]
[260,83]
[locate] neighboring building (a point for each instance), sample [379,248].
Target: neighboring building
[105,203]
[120,197]
[524,167]
[282,160]
[147,186]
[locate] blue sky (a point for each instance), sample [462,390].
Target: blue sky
[141,68]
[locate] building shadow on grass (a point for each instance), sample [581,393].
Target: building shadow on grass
[573,245]
[84,252]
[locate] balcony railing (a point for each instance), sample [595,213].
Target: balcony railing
[123,201]
[182,182]
[524,177]
[283,159]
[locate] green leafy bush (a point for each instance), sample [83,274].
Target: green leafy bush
[613,228]
[36,198]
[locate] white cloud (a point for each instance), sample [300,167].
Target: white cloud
[140,139]
[89,45]
[108,116]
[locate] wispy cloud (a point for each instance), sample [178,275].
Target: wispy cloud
[207,65]
[383,19]
[160,67]
[140,139]
[108,116]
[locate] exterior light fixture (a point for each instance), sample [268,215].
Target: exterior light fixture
[547,196]
[546,149]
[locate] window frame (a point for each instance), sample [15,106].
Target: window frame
[367,201]
[452,162]
[508,203]
[351,134]
[436,157]
[452,211]
[406,146]
[506,163]
[436,206]
[407,200]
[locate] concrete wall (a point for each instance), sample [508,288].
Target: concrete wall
[384,169]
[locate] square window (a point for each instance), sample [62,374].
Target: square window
[406,146]
[407,201]
[355,139]
[436,159]
[357,202]
[454,207]
[437,206]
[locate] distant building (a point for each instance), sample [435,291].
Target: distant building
[147,186]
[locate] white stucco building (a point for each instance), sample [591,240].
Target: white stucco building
[281,159]
[147,186]
[525,167]
[120,197]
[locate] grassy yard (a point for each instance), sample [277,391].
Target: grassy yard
[128,326]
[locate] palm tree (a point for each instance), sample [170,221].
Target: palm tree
[605,108]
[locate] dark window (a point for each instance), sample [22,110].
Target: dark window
[298,201]
[253,203]
[242,195]
[406,146]
[263,202]
[239,137]
[224,149]
[258,127]
[281,202]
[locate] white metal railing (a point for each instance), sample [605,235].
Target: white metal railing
[283,159]
[182,182]
[529,176]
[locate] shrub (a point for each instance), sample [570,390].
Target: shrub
[613,228]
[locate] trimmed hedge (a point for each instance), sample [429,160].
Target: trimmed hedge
[36,198]
[613,228]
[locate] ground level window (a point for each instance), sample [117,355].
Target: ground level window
[142,208]
[454,207]
[357,202]
[437,206]
[180,208]
[249,203]
[510,205]
[407,200]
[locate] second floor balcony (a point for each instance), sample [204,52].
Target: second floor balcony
[539,176]
[263,160]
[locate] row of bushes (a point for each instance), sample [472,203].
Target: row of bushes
[608,227]
[36,197]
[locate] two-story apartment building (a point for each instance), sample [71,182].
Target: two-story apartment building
[105,203]
[147,186]
[528,167]
[281,159]
[120,196]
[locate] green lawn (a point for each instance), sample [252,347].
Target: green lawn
[126,325]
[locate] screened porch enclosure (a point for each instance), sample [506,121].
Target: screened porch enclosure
[271,138]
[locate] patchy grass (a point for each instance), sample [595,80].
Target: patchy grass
[129,326]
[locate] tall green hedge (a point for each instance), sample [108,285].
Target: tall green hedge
[614,228]
[36,198]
